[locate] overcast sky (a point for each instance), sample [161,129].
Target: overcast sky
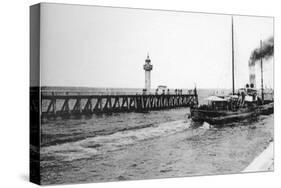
[106,47]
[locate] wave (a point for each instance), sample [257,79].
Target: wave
[93,146]
[60,139]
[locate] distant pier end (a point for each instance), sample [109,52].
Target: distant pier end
[147,68]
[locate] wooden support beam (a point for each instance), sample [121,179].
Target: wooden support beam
[113,103]
[65,107]
[77,107]
[98,107]
[88,106]
[116,104]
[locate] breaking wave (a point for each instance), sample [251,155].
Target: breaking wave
[97,145]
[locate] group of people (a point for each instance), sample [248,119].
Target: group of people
[167,92]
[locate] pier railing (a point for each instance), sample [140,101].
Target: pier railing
[54,104]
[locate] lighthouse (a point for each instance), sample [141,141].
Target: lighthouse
[147,68]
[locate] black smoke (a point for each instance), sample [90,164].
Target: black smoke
[266,51]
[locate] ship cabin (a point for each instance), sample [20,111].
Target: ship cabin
[243,98]
[228,103]
[215,103]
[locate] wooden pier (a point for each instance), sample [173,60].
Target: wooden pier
[66,104]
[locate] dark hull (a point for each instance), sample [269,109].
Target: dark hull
[223,117]
[267,109]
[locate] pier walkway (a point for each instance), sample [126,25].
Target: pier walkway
[67,104]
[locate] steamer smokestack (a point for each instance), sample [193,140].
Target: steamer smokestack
[252,76]
[266,51]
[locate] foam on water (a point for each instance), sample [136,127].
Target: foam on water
[101,144]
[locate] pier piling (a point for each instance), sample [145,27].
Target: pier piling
[65,104]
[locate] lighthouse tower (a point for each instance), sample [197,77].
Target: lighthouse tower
[147,68]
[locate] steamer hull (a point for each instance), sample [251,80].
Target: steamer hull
[215,117]
[222,117]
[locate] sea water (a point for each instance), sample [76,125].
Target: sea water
[156,144]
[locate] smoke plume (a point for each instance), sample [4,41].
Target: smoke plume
[266,51]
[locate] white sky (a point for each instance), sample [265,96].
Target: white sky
[106,47]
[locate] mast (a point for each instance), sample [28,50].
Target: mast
[232,40]
[262,92]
